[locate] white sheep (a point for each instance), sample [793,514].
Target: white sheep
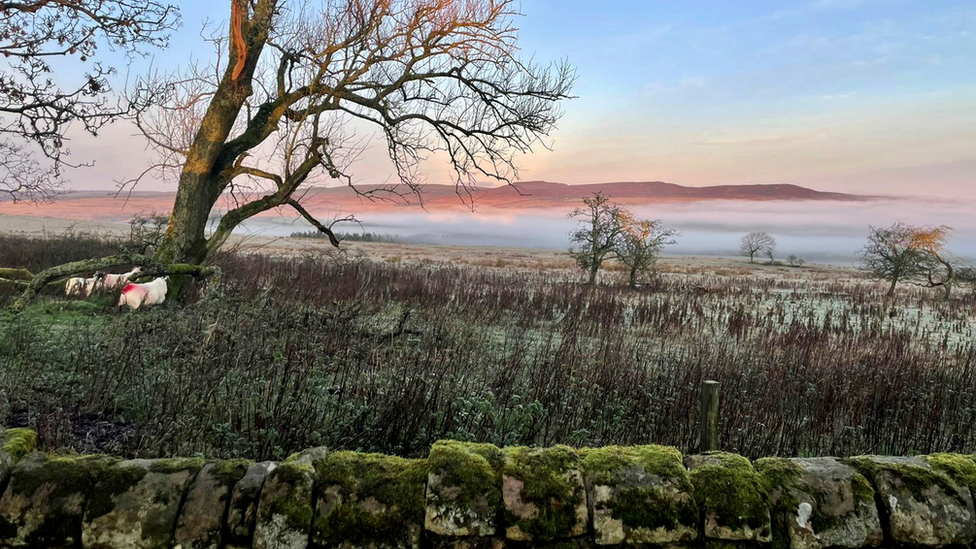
[150,293]
[85,287]
[116,281]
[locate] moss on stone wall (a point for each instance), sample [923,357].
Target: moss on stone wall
[112,481]
[378,501]
[915,478]
[228,472]
[54,482]
[547,486]
[728,486]
[475,469]
[782,480]
[961,469]
[69,473]
[293,501]
[370,500]
[644,479]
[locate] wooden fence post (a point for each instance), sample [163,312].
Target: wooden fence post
[708,422]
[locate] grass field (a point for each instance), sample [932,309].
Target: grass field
[391,347]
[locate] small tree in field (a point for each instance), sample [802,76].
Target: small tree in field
[758,242]
[938,268]
[640,244]
[595,239]
[892,254]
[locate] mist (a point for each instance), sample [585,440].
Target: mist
[830,232]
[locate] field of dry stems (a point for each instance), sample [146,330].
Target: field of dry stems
[286,353]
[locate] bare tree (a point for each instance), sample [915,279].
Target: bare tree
[596,237]
[640,244]
[892,254]
[38,107]
[759,242]
[276,108]
[795,261]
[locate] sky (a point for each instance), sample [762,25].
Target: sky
[865,96]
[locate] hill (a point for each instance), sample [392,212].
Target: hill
[104,206]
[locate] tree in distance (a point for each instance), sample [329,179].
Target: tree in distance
[640,245]
[755,243]
[908,253]
[596,237]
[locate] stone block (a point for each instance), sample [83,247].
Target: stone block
[369,501]
[639,495]
[543,494]
[732,497]
[285,513]
[464,495]
[135,503]
[43,504]
[201,521]
[821,502]
[925,506]
[243,510]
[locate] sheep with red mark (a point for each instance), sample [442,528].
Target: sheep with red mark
[117,281]
[144,295]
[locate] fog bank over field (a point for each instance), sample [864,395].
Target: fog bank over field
[822,231]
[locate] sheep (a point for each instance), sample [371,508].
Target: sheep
[85,287]
[116,281]
[150,293]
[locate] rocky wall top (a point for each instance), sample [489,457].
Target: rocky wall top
[472,496]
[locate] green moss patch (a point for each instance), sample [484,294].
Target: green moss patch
[961,469]
[19,442]
[728,486]
[228,472]
[112,482]
[176,465]
[52,486]
[474,469]
[288,493]
[548,486]
[915,479]
[608,464]
[66,474]
[784,481]
[369,500]
[645,482]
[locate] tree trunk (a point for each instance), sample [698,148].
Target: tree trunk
[633,278]
[201,182]
[593,270]
[891,289]
[185,239]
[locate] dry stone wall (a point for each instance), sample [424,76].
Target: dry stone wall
[478,496]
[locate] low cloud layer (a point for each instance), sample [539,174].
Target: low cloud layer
[822,231]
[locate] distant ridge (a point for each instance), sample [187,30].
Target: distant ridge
[103,206]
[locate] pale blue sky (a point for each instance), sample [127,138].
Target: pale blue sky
[857,95]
